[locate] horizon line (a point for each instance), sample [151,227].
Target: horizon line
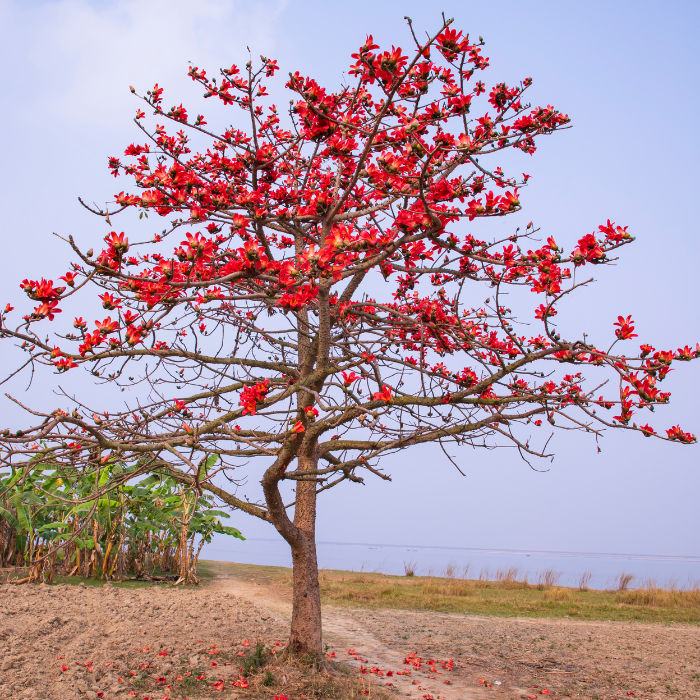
[501,550]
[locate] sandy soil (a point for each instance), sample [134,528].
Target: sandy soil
[119,642]
[73,642]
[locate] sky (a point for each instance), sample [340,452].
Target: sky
[625,72]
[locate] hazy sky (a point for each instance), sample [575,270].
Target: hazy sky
[627,74]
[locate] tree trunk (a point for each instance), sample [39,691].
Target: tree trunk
[305,637]
[184,564]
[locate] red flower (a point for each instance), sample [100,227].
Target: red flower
[298,427]
[109,302]
[133,335]
[69,278]
[675,433]
[64,364]
[542,311]
[383,395]
[252,395]
[588,250]
[625,328]
[349,378]
[107,326]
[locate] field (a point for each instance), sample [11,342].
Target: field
[507,598]
[386,636]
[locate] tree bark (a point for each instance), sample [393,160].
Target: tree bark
[305,639]
[306,636]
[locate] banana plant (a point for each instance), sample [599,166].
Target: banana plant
[51,522]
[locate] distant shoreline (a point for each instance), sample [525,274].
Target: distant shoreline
[526,552]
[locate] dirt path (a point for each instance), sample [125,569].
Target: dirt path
[516,658]
[341,633]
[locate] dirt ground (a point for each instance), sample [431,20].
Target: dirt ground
[119,642]
[74,642]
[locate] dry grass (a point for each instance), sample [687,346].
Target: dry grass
[450,571]
[506,598]
[558,594]
[507,575]
[624,581]
[509,597]
[652,595]
[549,577]
[584,580]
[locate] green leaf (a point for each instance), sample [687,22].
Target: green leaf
[220,513]
[232,531]
[7,515]
[52,526]
[25,519]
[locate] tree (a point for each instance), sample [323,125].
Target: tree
[308,306]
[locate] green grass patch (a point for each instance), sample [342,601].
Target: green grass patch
[98,583]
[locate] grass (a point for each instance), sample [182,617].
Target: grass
[507,597]
[204,574]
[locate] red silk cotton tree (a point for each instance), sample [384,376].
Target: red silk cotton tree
[308,308]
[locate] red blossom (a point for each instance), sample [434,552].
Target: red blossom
[625,328]
[383,395]
[252,395]
[675,433]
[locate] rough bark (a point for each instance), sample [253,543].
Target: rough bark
[305,637]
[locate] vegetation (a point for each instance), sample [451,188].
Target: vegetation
[53,524]
[506,597]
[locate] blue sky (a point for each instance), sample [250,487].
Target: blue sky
[626,72]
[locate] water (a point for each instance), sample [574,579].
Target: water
[389,559]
